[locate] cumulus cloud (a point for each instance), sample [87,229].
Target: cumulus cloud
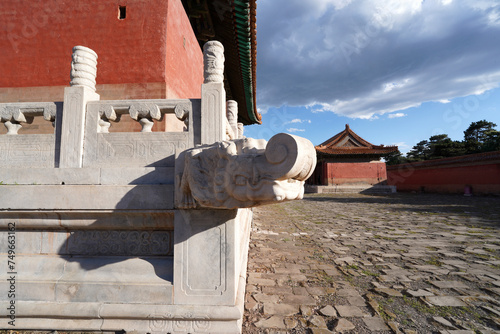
[396,115]
[369,57]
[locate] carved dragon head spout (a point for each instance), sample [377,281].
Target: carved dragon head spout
[246,172]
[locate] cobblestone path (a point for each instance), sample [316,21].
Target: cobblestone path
[402,263]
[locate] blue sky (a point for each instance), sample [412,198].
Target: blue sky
[396,71]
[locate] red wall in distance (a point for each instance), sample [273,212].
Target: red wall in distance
[481,172]
[351,173]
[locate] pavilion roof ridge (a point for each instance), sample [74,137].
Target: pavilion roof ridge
[349,142]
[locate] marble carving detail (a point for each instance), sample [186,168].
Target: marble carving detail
[123,243]
[83,67]
[13,115]
[159,325]
[245,172]
[213,59]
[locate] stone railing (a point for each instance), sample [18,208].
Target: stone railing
[138,231]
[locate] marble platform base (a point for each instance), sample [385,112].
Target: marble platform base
[138,318]
[142,271]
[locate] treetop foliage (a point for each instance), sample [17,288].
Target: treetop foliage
[479,137]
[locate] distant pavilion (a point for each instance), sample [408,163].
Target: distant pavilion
[346,159]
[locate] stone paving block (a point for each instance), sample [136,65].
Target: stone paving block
[280,309]
[299,290]
[356,301]
[328,311]
[394,327]
[388,292]
[444,301]
[316,290]
[251,304]
[273,322]
[291,323]
[449,284]
[263,298]
[344,260]
[277,290]
[391,255]
[298,300]
[348,292]
[443,322]
[344,325]
[320,331]
[375,324]
[283,270]
[391,278]
[317,321]
[349,311]
[419,293]
[261,281]
[306,310]
[298,278]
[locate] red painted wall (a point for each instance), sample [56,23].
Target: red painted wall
[453,177]
[359,172]
[183,55]
[154,43]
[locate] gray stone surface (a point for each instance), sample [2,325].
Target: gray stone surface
[337,242]
[445,301]
[317,321]
[375,324]
[280,309]
[328,311]
[273,322]
[87,197]
[344,325]
[348,311]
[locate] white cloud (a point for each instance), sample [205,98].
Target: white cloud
[295,130]
[371,57]
[298,120]
[402,147]
[262,111]
[396,115]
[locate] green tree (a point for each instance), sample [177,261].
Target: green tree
[441,146]
[395,158]
[419,152]
[476,136]
[492,142]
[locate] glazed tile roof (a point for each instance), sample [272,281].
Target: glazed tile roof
[348,142]
[233,23]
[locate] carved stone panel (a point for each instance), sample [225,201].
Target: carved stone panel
[121,243]
[135,149]
[204,263]
[27,151]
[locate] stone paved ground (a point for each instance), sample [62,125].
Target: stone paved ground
[401,263]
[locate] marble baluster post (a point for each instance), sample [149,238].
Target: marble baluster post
[213,95]
[81,90]
[232,116]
